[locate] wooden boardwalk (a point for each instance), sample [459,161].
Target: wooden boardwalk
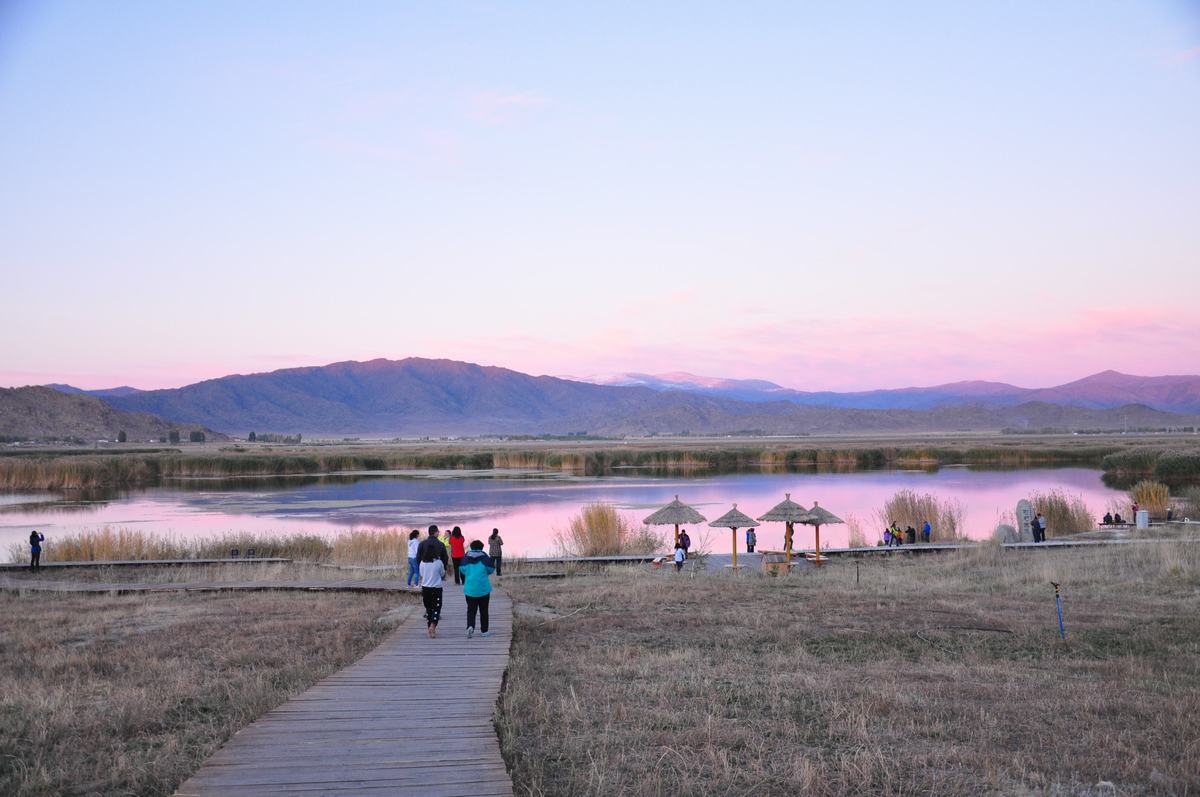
[126,587]
[266,560]
[413,716]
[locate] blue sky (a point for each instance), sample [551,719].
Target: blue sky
[835,195]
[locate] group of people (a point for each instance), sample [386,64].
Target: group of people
[1038,527]
[682,545]
[894,536]
[456,544]
[432,560]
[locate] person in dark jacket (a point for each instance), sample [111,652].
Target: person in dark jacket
[477,587]
[926,531]
[685,542]
[751,540]
[496,549]
[910,535]
[35,551]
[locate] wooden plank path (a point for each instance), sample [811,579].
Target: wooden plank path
[266,560]
[126,587]
[413,716]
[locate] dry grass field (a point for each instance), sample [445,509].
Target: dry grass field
[128,695]
[939,675]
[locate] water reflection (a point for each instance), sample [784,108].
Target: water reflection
[528,505]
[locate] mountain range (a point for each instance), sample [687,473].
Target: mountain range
[1106,389]
[44,413]
[414,397]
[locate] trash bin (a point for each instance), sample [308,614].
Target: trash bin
[1143,518]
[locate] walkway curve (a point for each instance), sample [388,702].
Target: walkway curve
[414,716]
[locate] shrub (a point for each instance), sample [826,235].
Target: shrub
[1132,461]
[600,530]
[1066,513]
[1152,496]
[1176,466]
[1191,503]
[910,508]
[856,538]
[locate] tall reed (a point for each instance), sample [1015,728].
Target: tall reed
[910,508]
[1151,495]
[600,530]
[1065,513]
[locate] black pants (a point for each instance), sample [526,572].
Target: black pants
[432,598]
[496,560]
[749,547]
[481,604]
[458,577]
[35,560]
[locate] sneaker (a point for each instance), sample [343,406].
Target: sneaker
[470,631]
[486,633]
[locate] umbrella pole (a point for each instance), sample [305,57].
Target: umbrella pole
[818,559]
[787,540]
[676,534]
[733,532]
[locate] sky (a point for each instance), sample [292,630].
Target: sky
[830,195]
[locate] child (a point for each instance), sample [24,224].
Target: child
[414,567]
[887,537]
[433,571]
[680,556]
[477,587]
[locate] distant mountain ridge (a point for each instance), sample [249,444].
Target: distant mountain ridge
[1105,390]
[417,396]
[45,413]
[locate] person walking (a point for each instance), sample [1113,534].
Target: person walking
[897,539]
[751,540]
[433,558]
[458,549]
[926,532]
[680,556]
[414,564]
[477,587]
[496,549]
[35,551]
[686,542]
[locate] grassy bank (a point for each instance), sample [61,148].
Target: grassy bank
[49,470]
[931,676]
[128,695]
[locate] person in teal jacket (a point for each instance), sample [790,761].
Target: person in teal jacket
[477,587]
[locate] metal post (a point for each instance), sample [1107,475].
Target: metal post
[1062,629]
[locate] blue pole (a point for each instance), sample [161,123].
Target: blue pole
[1062,630]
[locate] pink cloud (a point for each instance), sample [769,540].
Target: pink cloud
[1190,54]
[494,107]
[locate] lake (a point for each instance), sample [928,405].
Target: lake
[528,506]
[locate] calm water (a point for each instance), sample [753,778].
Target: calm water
[527,507]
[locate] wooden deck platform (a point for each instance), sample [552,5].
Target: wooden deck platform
[127,587]
[413,716]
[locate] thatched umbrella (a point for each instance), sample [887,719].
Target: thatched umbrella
[821,517]
[674,514]
[789,513]
[734,520]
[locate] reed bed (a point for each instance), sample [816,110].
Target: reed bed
[910,508]
[1066,513]
[1152,496]
[371,547]
[600,530]
[80,471]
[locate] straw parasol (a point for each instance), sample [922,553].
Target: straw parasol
[820,517]
[675,514]
[734,520]
[789,513]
